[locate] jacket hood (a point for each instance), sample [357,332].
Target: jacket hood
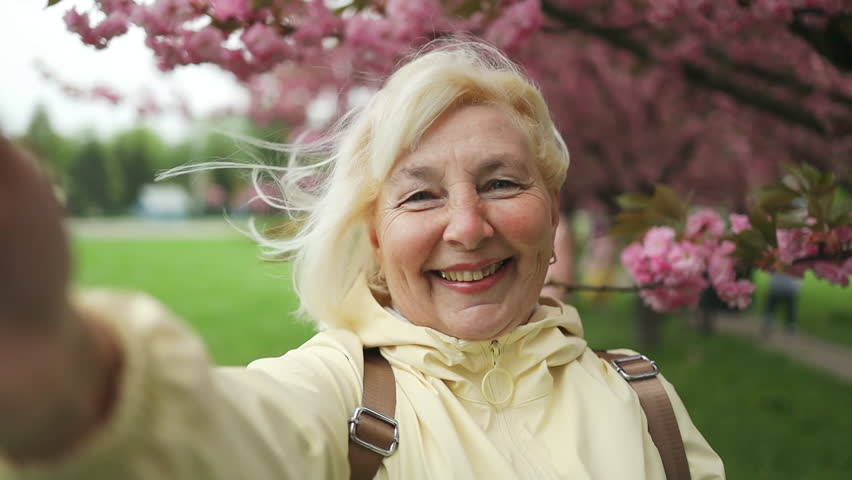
[552,337]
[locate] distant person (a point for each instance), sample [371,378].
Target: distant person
[783,294]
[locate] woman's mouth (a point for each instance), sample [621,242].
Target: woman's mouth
[471,275]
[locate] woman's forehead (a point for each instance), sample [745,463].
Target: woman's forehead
[432,169]
[481,133]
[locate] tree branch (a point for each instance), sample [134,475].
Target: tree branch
[614,36]
[785,79]
[757,99]
[602,288]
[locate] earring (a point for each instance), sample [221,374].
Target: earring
[553,258]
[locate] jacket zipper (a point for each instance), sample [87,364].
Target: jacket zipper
[495,350]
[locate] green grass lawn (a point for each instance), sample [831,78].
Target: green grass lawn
[767,416]
[239,304]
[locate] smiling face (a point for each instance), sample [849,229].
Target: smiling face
[463,228]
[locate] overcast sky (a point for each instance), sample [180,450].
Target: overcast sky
[33,33]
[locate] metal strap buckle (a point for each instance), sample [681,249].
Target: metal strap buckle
[617,362]
[353,431]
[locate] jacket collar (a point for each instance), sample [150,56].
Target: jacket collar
[552,337]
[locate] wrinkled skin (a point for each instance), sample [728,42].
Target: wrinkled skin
[53,366]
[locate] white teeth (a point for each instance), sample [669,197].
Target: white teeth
[470,275]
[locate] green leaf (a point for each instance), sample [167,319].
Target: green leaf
[751,240]
[358,5]
[798,179]
[810,173]
[632,225]
[469,7]
[776,197]
[667,203]
[840,219]
[51,3]
[787,222]
[762,223]
[633,200]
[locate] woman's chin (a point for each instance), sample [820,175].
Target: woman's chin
[482,322]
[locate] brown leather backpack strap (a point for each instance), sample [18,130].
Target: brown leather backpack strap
[641,373]
[373,432]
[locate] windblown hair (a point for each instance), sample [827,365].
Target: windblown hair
[334,197]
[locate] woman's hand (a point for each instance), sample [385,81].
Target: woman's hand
[55,369]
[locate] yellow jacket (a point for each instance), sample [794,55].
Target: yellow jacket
[560,412]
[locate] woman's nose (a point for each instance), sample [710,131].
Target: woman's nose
[467,224]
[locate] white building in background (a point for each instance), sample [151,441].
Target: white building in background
[164,201]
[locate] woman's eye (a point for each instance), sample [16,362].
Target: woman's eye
[419,197]
[500,185]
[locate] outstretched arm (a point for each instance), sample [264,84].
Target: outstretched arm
[104,384]
[58,371]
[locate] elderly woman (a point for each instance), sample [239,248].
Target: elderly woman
[430,241]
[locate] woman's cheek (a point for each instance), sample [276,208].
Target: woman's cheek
[411,236]
[526,220]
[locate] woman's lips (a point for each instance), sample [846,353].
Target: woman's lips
[475,286]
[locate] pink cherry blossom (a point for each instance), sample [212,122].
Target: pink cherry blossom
[231,9]
[832,272]
[794,244]
[266,46]
[165,18]
[686,263]
[705,222]
[739,222]
[515,25]
[658,241]
[844,234]
[736,294]
[107,94]
[204,45]
[632,255]
[79,23]
[317,23]
[720,268]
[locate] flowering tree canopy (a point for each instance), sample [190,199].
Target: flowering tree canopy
[681,92]
[705,96]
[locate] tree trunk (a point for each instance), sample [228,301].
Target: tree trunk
[648,325]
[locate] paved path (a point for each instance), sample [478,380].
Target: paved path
[830,357]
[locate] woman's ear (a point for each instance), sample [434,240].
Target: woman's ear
[554,210]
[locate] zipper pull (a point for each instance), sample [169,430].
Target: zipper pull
[497,385]
[496,350]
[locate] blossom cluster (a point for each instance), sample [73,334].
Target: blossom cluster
[265,43]
[826,253]
[673,273]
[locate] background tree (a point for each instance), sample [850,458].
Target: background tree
[92,188]
[136,153]
[41,139]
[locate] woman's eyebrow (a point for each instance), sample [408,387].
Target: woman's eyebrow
[500,162]
[427,173]
[416,172]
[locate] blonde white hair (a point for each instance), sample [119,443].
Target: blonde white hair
[332,199]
